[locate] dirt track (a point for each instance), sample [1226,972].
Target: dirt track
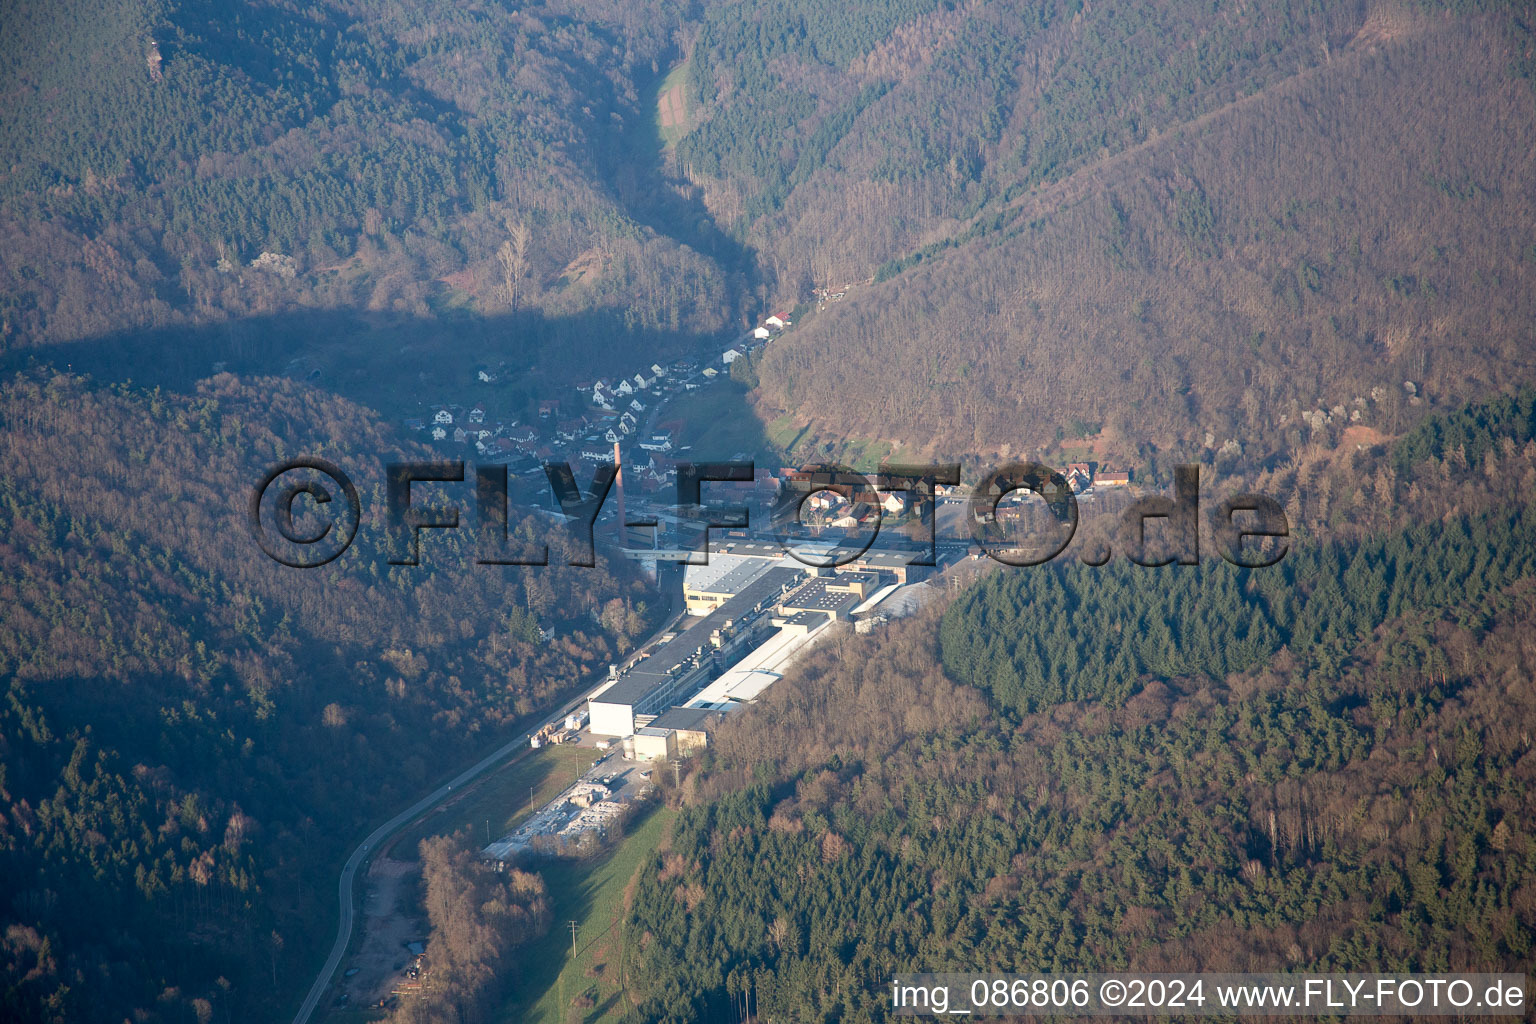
[389,923]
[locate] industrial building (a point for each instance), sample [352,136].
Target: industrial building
[681,666]
[677,733]
[707,587]
[834,594]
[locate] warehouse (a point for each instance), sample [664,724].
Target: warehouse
[678,733]
[681,666]
[837,595]
[707,587]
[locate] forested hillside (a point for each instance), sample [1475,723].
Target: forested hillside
[1141,219]
[1292,241]
[1325,766]
[405,158]
[193,735]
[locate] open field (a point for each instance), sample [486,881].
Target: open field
[591,893]
[718,422]
[500,801]
[674,112]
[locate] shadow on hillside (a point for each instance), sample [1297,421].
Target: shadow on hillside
[398,365]
[671,207]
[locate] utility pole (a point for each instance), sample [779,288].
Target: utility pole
[573,938]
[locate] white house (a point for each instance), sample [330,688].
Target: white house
[486,377]
[438,433]
[460,435]
[779,320]
[761,333]
[658,443]
[477,414]
[656,371]
[641,382]
[711,372]
[729,356]
[637,405]
[623,387]
[442,416]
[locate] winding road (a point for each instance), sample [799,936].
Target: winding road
[359,858]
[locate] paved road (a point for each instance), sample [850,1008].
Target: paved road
[360,857]
[379,835]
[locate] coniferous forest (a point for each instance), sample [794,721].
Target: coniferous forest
[1324,766]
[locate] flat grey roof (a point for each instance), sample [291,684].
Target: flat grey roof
[692,719]
[814,596]
[733,580]
[753,549]
[655,671]
[893,559]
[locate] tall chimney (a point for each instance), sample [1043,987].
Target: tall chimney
[623,519]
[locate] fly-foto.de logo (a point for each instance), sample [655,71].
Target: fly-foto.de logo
[306,512]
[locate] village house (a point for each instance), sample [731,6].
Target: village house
[477,414]
[822,501]
[1118,478]
[442,416]
[499,448]
[661,442]
[779,320]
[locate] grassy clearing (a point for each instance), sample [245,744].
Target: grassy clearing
[719,423]
[674,113]
[501,798]
[591,893]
